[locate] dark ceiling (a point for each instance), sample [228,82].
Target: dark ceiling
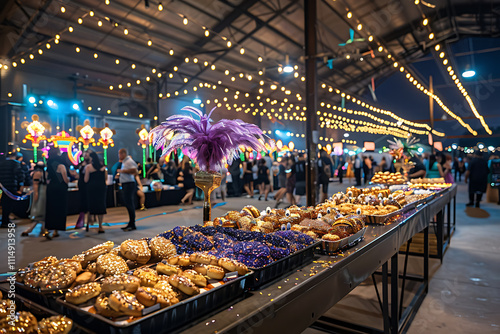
[271,29]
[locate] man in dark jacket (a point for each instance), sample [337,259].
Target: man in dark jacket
[11,178]
[477,175]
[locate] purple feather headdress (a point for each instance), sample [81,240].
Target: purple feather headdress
[210,145]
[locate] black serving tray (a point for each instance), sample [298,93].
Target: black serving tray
[164,320]
[44,298]
[40,312]
[270,272]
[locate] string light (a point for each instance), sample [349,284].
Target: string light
[125,31]
[150,42]
[185,21]
[160,6]
[242,51]
[63,9]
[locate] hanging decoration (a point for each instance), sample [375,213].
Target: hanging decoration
[86,134]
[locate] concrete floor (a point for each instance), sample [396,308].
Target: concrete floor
[464,293]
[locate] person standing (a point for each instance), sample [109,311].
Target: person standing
[477,176]
[300,178]
[82,191]
[235,172]
[96,175]
[290,180]
[444,167]
[248,178]
[432,169]
[325,168]
[26,170]
[12,179]
[189,185]
[340,168]
[57,194]
[39,199]
[281,183]
[127,174]
[170,174]
[357,170]
[367,167]
[263,179]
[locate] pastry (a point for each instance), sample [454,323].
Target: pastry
[330,237]
[136,250]
[203,258]
[162,248]
[22,322]
[125,282]
[168,269]
[168,292]
[96,251]
[233,265]
[58,324]
[174,259]
[4,308]
[57,278]
[83,293]
[102,307]
[46,261]
[73,264]
[84,277]
[150,296]
[148,276]
[111,264]
[195,277]
[184,284]
[214,272]
[126,303]
[184,260]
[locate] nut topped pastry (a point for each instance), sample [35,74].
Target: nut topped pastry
[96,251]
[125,282]
[162,248]
[110,264]
[58,324]
[126,303]
[136,250]
[83,293]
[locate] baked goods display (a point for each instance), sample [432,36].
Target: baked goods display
[431,186]
[388,178]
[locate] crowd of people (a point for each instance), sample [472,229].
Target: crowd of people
[282,180]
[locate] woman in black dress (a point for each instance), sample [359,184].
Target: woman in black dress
[248,178]
[82,191]
[189,186]
[96,175]
[57,194]
[263,179]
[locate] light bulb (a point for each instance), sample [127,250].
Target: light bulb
[228,44]
[207,33]
[185,21]
[77,49]
[117,61]
[63,9]
[242,51]
[349,15]
[125,31]
[160,7]
[425,21]
[150,42]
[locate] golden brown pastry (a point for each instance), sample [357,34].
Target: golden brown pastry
[83,293]
[58,277]
[195,277]
[126,303]
[136,250]
[58,324]
[125,282]
[214,272]
[168,269]
[203,258]
[148,276]
[84,277]
[184,260]
[330,237]
[4,308]
[111,264]
[102,307]
[184,284]
[23,322]
[96,251]
[162,248]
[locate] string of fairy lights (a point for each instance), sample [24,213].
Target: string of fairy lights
[414,81]
[401,128]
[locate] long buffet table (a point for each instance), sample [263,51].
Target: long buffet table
[298,300]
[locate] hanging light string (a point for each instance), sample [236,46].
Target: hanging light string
[439,50]
[419,86]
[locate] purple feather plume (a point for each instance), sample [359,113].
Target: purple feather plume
[210,145]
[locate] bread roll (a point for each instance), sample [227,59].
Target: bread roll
[162,248]
[96,251]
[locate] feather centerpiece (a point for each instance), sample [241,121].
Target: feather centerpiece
[401,148]
[211,145]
